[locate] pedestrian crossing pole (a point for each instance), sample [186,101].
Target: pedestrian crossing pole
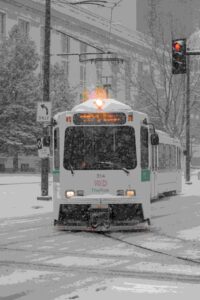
[46,98]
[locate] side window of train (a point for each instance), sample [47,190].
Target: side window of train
[153,157]
[167,156]
[56,148]
[179,158]
[161,157]
[144,137]
[156,157]
[173,157]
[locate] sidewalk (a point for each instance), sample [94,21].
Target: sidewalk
[18,195]
[6,178]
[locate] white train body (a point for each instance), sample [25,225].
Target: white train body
[102,167]
[166,171]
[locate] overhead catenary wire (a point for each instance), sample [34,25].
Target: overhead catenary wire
[109,4]
[110,23]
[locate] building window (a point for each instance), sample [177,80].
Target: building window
[83,49]
[99,69]
[24,26]
[65,48]
[2,24]
[65,43]
[42,39]
[128,72]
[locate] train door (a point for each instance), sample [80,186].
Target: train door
[154,173]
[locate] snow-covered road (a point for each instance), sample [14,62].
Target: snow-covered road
[38,262]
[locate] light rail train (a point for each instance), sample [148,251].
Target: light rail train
[108,163]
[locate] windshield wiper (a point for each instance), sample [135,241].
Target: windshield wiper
[71,168]
[113,164]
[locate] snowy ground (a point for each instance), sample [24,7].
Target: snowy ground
[194,188]
[18,198]
[18,195]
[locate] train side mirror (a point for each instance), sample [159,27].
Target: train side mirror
[154,139]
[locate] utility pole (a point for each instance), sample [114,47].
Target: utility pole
[187,129]
[188,148]
[46,98]
[181,65]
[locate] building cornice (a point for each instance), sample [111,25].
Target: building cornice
[70,20]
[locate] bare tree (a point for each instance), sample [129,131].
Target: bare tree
[161,93]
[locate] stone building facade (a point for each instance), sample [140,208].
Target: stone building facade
[77,30]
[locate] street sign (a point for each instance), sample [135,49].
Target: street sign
[39,143]
[44,152]
[43,111]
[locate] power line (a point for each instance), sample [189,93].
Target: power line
[111,17]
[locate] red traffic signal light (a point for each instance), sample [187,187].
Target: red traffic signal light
[179,56]
[177,46]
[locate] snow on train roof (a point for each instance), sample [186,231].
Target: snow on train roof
[164,136]
[108,105]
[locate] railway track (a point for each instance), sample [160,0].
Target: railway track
[122,272]
[104,272]
[186,259]
[56,233]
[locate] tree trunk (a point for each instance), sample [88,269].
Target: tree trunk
[15,162]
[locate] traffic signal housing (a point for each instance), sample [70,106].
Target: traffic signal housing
[179,56]
[46,141]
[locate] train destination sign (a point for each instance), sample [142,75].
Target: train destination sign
[99,118]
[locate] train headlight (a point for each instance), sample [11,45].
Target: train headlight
[69,194]
[130,193]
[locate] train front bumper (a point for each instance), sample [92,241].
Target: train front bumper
[100,214]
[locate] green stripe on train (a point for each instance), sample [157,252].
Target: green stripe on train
[56,171]
[145,175]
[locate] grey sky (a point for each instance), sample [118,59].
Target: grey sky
[124,14]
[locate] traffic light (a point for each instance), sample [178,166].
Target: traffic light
[179,56]
[46,141]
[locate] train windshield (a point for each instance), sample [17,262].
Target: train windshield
[102,147]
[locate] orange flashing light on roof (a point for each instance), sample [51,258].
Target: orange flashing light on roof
[99,93]
[99,103]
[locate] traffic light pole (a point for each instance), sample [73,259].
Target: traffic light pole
[46,98]
[181,65]
[188,157]
[187,129]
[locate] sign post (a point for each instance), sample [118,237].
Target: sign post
[44,114]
